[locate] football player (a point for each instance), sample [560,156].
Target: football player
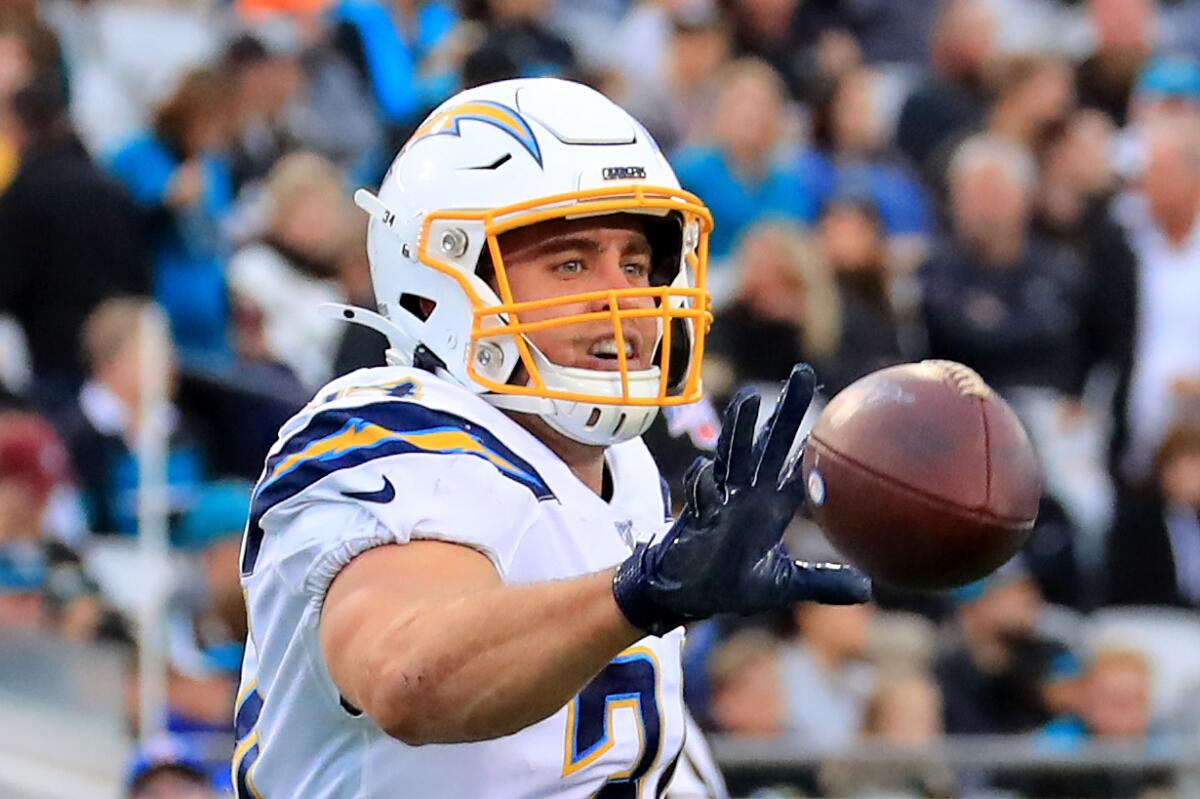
[459,578]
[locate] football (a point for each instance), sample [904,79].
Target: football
[922,476]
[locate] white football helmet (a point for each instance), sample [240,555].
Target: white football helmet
[507,155]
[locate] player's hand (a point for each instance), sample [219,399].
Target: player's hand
[725,553]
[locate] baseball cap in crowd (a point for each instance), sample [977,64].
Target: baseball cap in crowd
[30,451]
[165,753]
[1171,77]
[1012,572]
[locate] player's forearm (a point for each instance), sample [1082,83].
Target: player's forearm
[493,662]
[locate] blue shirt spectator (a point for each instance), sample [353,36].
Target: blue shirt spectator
[390,47]
[185,188]
[850,155]
[902,202]
[741,175]
[738,200]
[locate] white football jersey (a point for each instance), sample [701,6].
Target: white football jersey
[392,454]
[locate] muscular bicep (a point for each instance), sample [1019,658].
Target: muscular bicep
[384,588]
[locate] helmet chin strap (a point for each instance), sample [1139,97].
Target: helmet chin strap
[400,342]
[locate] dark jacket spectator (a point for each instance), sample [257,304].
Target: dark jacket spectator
[1125,41]
[953,99]
[784,310]
[1154,545]
[996,298]
[266,84]
[1016,324]
[852,242]
[69,238]
[517,35]
[991,677]
[100,429]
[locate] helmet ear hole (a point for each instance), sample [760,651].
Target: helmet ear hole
[418,306]
[666,243]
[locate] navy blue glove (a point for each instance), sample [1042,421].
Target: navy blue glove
[725,553]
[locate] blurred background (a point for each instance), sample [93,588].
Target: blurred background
[1014,184]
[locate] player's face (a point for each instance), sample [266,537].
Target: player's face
[561,257]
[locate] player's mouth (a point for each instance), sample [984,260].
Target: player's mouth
[603,356]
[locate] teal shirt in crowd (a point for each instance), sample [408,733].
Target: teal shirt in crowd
[736,204]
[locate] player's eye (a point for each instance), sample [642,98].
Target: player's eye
[572,267]
[636,269]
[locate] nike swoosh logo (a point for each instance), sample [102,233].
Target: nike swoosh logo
[382,497]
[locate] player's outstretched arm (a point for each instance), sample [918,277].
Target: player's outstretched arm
[427,640]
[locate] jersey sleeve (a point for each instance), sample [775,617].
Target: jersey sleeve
[360,477]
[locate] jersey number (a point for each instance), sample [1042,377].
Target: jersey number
[629,681]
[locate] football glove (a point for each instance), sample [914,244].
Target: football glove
[725,553]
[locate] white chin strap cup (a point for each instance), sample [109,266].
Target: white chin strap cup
[588,422]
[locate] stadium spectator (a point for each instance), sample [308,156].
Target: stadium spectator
[336,114]
[1160,224]
[43,584]
[1168,86]
[852,242]
[784,309]
[296,261]
[953,98]
[167,768]
[745,674]
[826,677]
[29,53]
[851,154]
[1032,93]
[1154,545]
[744,171]
[266,84]
[1125,33]
[210,532]
[100,430]
[394,45]
[808,44]
[69,237]
[178,174]
[1076,180]
[996,298]
[674,97]
[904,711]
[993,674]
[517,34]
[1115,708]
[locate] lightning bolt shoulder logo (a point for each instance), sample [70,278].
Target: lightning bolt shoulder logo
[498,115]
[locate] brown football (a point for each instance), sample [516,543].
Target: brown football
[922,476]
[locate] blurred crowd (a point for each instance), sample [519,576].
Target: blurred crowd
[1013,184]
